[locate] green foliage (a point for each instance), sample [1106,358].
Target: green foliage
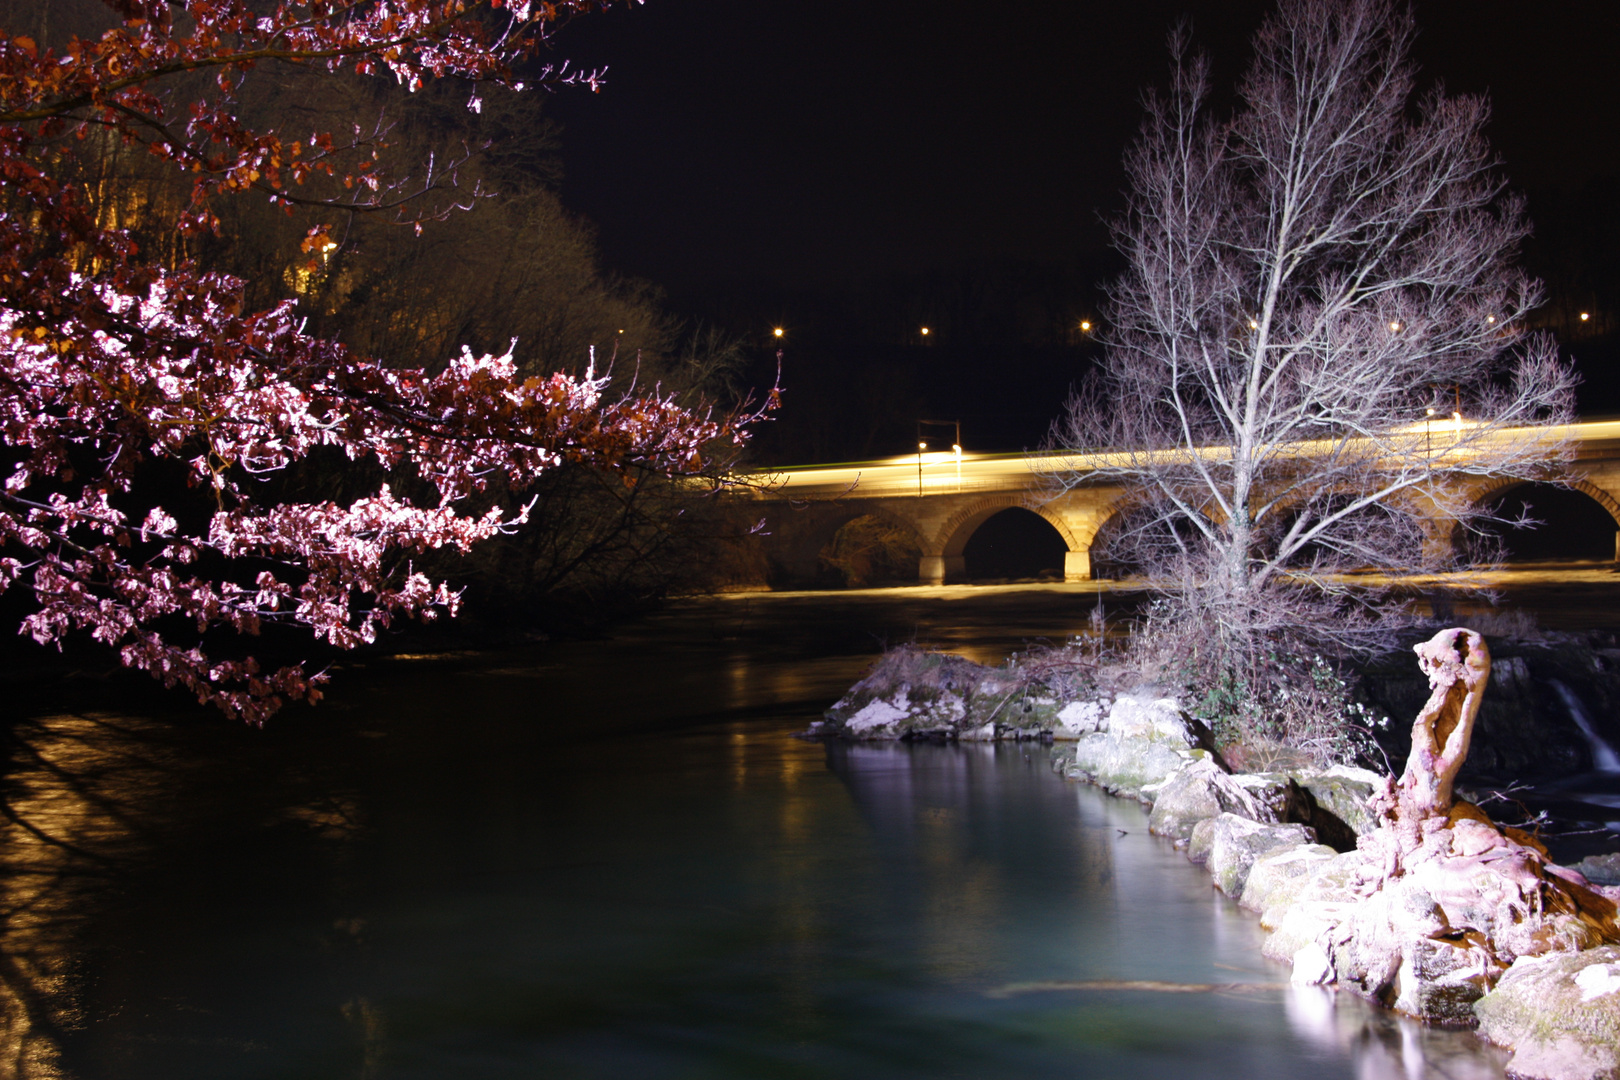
[1279,706]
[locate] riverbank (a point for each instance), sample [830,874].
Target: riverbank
[1396,890]
[596,859]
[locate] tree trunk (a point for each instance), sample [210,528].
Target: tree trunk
[1458,664]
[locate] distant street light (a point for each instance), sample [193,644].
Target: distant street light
[1085,326]
[776,331]
[925,331]
[1585,315]
[956,448]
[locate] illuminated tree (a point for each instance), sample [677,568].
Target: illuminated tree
[151,417]
[1319,341]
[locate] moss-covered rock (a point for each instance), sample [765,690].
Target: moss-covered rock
[1144,740]
[1560,1014]
[912,693]
[1277,877]
[1229,846]
[1345,793]
[1199,791]
[1324,901]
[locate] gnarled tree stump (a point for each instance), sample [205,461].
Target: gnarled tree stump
[1458,664]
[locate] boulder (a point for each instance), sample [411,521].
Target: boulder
[1145,740]
[1345,793]
[1277,795]
[1600,869]
[1079,718]
[915,693]
[1277,878]
[1323,903]
[1200,791]
[1230,845]
[1560,1014]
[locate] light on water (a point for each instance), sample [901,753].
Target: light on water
[538,866]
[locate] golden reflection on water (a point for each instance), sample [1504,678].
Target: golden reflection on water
[85,798]
[799,785]
[964,894]
[75,804]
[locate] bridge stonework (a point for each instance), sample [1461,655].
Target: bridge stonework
[941,501]
[940,523]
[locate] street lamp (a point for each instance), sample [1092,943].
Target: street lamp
[956,448]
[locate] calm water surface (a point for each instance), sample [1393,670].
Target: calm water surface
[613,860]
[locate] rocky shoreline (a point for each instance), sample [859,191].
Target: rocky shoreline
[1390,888]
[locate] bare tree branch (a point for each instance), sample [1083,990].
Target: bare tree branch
[1319,346]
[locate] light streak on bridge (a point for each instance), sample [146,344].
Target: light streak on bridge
[941,497]
[943,472]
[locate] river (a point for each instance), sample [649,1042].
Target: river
[612,859]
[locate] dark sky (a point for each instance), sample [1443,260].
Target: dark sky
[794,144]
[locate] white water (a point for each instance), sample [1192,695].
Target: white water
[1604,758]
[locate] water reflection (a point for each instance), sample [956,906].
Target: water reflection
[531,868]
[1385,1046]
[95,806]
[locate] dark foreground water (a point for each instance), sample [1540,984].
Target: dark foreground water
[613,860]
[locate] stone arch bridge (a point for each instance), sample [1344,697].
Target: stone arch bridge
[942,498]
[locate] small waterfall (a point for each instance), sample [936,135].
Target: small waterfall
[1604,759]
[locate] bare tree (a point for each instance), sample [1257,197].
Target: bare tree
[1318,348]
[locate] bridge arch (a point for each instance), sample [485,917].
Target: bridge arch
[1569,519]
[944,558]
[800,533]
[864,553]
[1598,495]
[953,535]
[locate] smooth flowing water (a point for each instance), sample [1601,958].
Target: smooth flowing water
[614,860]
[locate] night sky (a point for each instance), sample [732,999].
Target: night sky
[778,160]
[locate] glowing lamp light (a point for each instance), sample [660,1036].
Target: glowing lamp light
[1429,412]
[1585,315]
[925,331]
[1085,326]
[1490,318]
[776,331]
[922,446]
[1394,326]
[1253,325]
